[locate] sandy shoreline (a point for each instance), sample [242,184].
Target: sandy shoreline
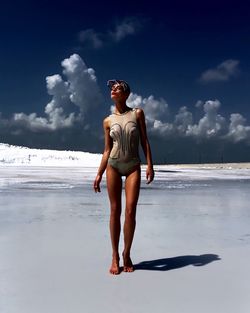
[243,165]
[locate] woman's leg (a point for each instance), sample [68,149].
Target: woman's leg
[114,185]
[132,190]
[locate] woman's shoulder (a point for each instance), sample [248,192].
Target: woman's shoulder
[139,112]
[106,121]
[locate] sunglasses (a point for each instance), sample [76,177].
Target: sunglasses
[121,85]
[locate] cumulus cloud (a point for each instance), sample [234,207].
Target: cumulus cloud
[183,120]
[72,101]
[211,125]
[238,131]
[153,108]
[83,89]
[223,72]
[164,129]
[156,112]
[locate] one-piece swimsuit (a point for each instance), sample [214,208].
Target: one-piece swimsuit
[124,156]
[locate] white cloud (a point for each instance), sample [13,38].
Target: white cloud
[93,39]
[90,37]
[134,100]
[72,100]
[153,109]
[127,27]
[183,120]
[223,72]
[55,121]
[237,129]
[58,89]
[211,124]
[161,128]
[83,89]
[156,112]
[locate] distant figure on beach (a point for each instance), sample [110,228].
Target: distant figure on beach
[124,129]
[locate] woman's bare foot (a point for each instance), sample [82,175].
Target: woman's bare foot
[115,268]
[127,264]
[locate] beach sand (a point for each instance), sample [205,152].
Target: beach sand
[191,249]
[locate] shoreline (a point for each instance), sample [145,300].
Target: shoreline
[239,165]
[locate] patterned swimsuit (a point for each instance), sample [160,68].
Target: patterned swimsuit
[124,156]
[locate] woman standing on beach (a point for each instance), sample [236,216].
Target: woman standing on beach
[123,131]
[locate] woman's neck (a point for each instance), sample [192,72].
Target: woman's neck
[121,107]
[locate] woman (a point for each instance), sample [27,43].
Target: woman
[123,130]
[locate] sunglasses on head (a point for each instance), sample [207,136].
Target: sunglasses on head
[123,84]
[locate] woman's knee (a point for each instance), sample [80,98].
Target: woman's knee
[115,211]
[130,212]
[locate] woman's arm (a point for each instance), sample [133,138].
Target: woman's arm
[145,145]
[105,156]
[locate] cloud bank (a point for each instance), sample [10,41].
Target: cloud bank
[210,125]
[73,117]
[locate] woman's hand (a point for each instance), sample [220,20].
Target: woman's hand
[150,174]
[97,182]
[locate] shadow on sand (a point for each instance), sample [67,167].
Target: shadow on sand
[168,264]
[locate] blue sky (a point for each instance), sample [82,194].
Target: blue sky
[187,64]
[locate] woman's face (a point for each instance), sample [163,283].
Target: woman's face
[117,92]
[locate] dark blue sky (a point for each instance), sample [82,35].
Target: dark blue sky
[179,51]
